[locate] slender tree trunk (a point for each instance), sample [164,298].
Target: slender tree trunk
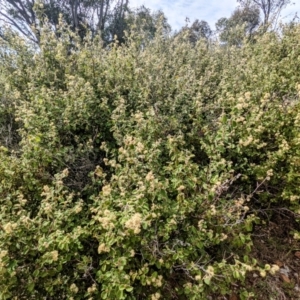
[74,6]
[101,20]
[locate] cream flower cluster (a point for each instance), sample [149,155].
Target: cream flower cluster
[134,223]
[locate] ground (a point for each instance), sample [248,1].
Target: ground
[274,244]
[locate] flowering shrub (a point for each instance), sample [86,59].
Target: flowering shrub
[138,171]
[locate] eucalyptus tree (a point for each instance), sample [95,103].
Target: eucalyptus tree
[198,30]
[242,23]
[270,8]
[147,21]
[27,16]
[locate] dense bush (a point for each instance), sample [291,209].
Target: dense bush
[138,171]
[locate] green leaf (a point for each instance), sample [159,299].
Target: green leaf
[30,286]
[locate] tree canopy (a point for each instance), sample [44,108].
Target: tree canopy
[269,8]
[106,16]
[241,24]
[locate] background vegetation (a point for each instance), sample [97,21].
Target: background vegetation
[142,169]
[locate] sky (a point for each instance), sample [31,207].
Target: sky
[209,10]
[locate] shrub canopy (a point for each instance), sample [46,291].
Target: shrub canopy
[137,171]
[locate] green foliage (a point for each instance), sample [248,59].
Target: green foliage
[146,21]
[270,9]
[27,17]
[198,30]
[242,24]
[137,171]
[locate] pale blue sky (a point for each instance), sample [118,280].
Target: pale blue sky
[208,10]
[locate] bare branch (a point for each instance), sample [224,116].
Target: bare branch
[18,27]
